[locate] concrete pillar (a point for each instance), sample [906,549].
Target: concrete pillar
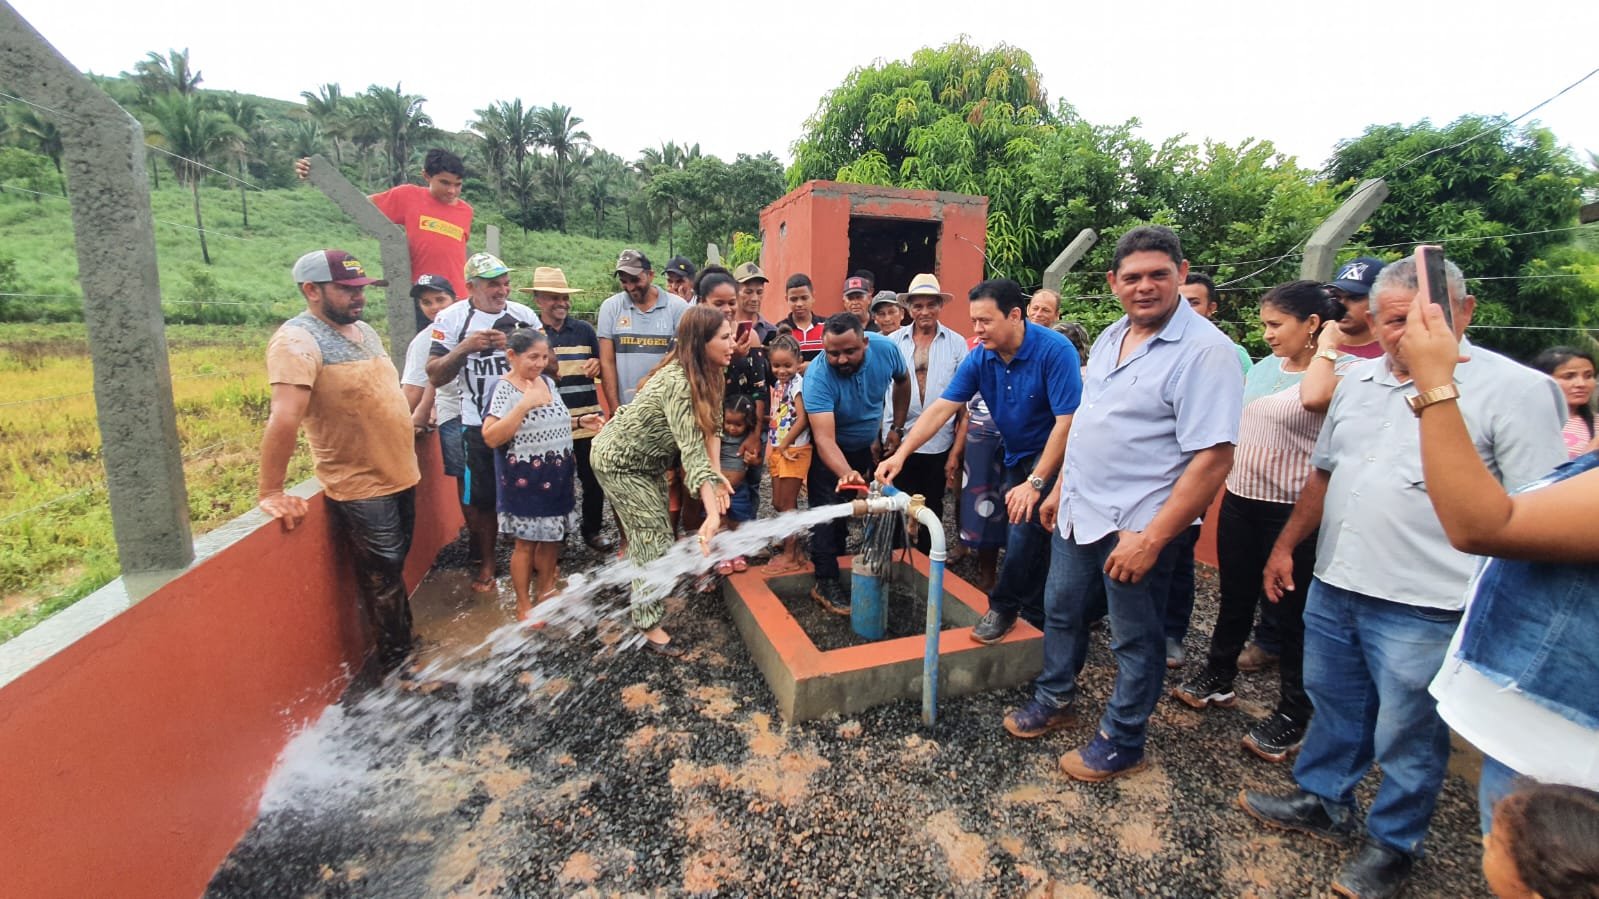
[713,254]
[396,253]
[491,246]
[1055,275]
[1321,252]
[103,151]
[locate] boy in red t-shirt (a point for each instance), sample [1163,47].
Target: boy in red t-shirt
[436,220]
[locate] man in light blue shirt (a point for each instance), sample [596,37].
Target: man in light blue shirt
[844,404]
[933,352]
[1389,589]
[1151,445]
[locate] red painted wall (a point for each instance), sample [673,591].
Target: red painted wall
[133,760]
[807,230]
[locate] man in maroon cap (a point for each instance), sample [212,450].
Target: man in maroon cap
[857,290]
[329,371]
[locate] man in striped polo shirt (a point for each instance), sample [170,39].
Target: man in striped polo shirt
[635,328]
[577,353]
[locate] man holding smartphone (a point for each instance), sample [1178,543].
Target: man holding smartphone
[1388,588]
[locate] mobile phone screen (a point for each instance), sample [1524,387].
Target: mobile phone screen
[1433,280]
[743,329]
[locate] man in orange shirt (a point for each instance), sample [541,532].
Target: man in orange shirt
[436,220]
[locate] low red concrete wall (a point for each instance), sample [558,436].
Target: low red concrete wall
[132,760]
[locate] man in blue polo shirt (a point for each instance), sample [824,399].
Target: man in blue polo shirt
[844,402]
[1153,442]
[1031,382]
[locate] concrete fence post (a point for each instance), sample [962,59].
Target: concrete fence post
[491,246]
[1055,274]
[103,150]
[1321,252]
[396,254]
[713,255]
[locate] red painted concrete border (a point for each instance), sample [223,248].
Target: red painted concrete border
[133,759]
[800,661]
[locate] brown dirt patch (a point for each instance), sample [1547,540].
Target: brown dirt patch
[762,741]
[579,868]
[716,702]
[639,697]
[640,741]
[966,853]
[1140,837]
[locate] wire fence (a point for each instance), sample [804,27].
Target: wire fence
[191,456]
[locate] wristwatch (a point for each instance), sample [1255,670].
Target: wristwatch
[1329,354]
[1436,395]
[1035,482]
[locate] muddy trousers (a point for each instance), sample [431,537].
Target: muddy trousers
[377,534]
[639,501]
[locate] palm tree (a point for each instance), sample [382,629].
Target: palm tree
[509,132]
[328,108]
[34,131]
[245,114]
[602,176]
[399,120]
[557,131]
[653,162]
[306,138]
[192,133]
[157,74]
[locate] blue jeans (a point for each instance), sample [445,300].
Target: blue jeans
[1019,590]
[1180,596]
[1497,781]
[1368,662]
[746,500]
[1078,591]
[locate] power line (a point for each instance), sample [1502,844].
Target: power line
[1294,250]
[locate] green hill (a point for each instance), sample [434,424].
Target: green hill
[248,280]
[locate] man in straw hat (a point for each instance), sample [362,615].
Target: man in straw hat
[576,348]
[469,346]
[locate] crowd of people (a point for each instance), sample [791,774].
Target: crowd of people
[1399,528]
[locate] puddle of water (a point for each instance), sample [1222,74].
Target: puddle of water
[353,746]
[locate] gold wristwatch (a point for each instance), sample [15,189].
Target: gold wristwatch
[1329,355]
[1436,395]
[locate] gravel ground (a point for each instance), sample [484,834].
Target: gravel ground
[627,774]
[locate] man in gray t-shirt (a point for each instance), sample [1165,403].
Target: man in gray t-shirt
[635,327]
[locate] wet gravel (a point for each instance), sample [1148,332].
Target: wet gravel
[630,774]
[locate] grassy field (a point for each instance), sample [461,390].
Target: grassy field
[55,521]
[248,280]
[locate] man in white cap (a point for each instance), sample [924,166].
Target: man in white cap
[329,371]
[469,346]
[932,352]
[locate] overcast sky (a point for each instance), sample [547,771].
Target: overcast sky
[742,77]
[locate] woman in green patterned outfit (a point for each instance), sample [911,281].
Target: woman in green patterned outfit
[676,414]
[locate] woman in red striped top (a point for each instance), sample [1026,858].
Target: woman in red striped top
[1270,465]
[1573,370]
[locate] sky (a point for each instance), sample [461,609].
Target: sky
[742,78]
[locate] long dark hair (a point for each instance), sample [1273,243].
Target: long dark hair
[706,382]
[1556,356]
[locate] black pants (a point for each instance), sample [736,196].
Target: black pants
[378,535]
[593,493]
[830,538]
[924,473]
[1245,532]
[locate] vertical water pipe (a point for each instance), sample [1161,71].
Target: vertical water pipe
[935,606]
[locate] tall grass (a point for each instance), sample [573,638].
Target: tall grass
[56,544]
[248,280]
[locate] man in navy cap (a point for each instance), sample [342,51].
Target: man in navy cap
[1352,287]
[680,276]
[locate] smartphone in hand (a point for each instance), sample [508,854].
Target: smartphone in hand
[744,329]
[1433,281]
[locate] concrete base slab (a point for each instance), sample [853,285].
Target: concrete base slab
[810,683]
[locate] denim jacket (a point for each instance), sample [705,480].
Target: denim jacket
[1534,626]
